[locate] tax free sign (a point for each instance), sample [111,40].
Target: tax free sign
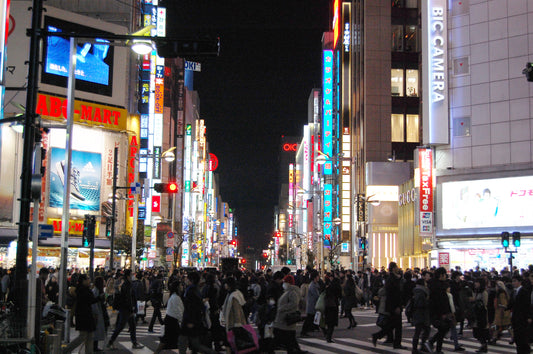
[435,77]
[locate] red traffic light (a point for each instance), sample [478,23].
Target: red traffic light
[169,187]
[243,261]
[233,242]
[265,255]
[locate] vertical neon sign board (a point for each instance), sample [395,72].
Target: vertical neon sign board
[425,166]
[435,81]
[327,104]
[328,213]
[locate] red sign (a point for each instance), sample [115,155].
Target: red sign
[425,165]
[444,259]
[213,162]
[290,147]
[156,204]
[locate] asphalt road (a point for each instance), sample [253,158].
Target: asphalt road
[356,340]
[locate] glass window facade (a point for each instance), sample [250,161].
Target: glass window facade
[397,38]
[397,128]
[397,82]
[411,82]
[412,130]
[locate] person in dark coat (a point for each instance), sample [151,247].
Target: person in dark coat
[393,304]
[420,315]
[84,316]
[439,307]
[521,314]
[333,294]
[192,326]
[141,294]
[312,296]
[156,298]
[52,289]
[350,300]
[126,312]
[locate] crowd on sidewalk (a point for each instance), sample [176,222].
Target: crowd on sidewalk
[206,311]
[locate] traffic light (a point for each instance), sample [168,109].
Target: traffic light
[265,255]
[516,239]
[85,234]
[169,187]
[233,243]
[528,71]
[191,48]
[108,224]
[505,239]
[243,261]
[289,261]
[362,243]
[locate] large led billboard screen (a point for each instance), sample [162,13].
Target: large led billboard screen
[94,59]
[487,205]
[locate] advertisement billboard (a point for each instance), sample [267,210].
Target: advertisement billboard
[85,181]
[425,168]
[487,204]
[327,111]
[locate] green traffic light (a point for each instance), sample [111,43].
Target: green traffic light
[505,243]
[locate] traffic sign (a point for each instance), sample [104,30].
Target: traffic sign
[135,188]
[44,231]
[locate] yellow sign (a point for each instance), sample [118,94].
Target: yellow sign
[55,108]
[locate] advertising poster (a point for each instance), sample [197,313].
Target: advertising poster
[7,174]
[85,182]
[489,203]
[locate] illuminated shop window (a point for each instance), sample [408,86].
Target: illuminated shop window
[397,82]
[412,128]
[397,128]
[404,128]
[411,82]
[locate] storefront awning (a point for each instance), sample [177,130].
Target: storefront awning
[7,235]
[73,242]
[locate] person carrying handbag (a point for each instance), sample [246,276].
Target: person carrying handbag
[284,329]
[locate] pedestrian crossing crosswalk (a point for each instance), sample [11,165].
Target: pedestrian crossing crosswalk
[353,345]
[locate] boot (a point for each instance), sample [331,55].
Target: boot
[482,349]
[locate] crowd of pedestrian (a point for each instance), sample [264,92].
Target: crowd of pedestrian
[204,309]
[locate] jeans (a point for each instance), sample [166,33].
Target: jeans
[123,318]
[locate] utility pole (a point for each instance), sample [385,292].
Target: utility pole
[21,267]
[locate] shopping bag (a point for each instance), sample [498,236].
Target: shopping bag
[269,330]
[321,302]
[141,307]
[243,339]
[318,317]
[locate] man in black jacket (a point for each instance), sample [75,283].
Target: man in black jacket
[393,303]
[439,307]
[156,298]
[521,315]
[126,312]
[192,326]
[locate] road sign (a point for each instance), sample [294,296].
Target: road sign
[141,214]
[44,231]
[135,188]
[170,254]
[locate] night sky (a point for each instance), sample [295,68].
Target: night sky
[255,92]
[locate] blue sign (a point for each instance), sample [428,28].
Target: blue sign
[327,111]
[328,213]
[44,231]
[141,214]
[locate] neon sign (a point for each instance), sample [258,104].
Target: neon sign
[328,109]
[290,147]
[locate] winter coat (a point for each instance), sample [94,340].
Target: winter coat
[85,320]
[350,300]
[98,309]
[333,294]
[481,298]
[502,316]
[232,314]
[287,303]
[382,295]
[194,313]
[312,296]
[420,306]
[439,305]
[394,294]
